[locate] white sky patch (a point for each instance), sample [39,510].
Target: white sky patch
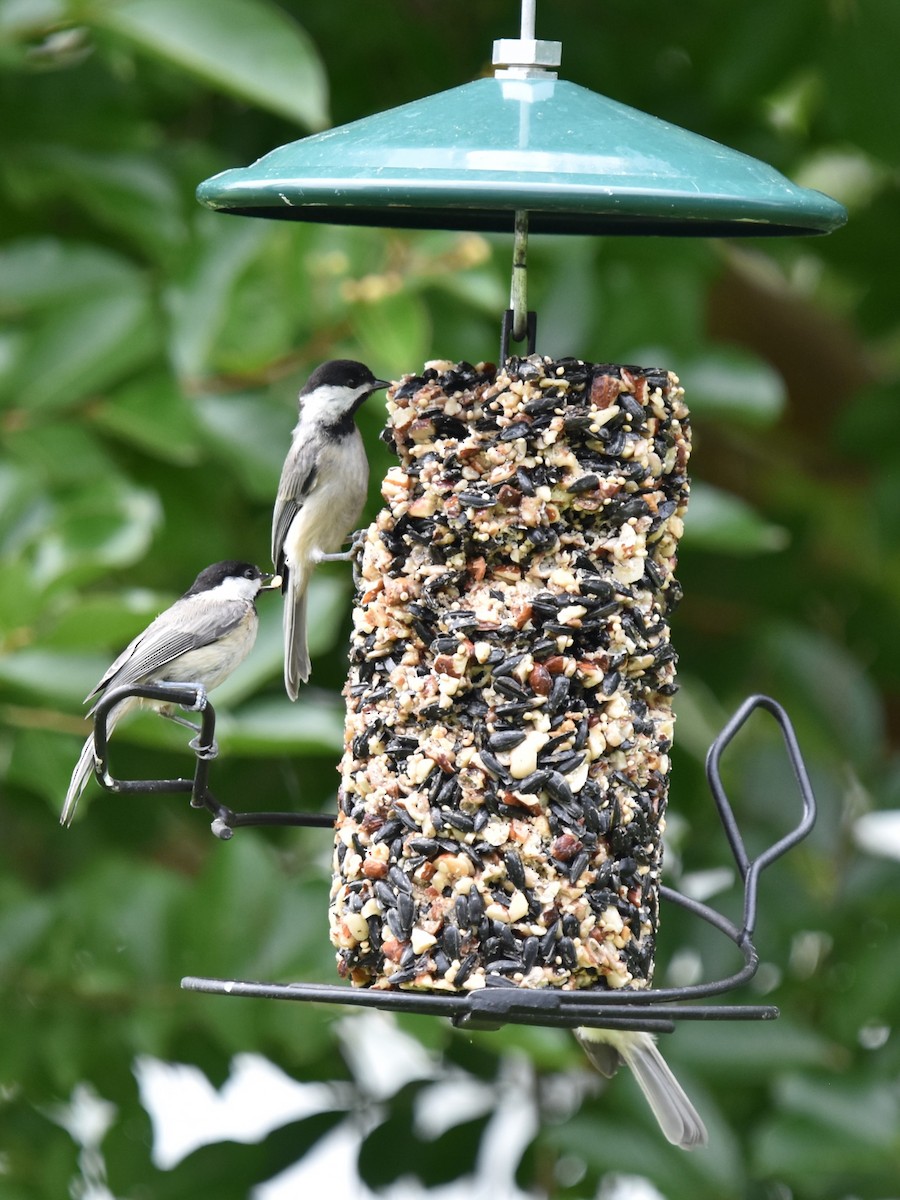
[628,1187]
[879,833]
[445,1104]
[703,885]
[87,1118]
[381,1057]
[329,1169]
[187,1112]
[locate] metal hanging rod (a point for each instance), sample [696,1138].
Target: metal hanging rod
[518,323]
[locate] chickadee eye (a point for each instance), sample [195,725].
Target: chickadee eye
[249,573]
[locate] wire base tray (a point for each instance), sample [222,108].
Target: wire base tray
[501,1001]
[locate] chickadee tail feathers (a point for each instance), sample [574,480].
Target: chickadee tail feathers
[296,655]
[83,770]
[678,1119]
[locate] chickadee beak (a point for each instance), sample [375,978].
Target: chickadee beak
[379,384]
[272,584]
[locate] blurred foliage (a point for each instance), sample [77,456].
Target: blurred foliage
[150,354]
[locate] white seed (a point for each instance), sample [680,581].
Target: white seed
[496,833]
[596,742]
[356,926]
[518,906]
[523,758]
[421,940]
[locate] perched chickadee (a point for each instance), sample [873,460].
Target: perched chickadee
[609,1048]
[201,639]
[321,494]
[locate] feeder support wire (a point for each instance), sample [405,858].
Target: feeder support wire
[518,295]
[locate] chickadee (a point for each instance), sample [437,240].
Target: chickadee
[609,1048]
[321,494]
[201,639]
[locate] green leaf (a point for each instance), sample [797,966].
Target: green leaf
[252,436]
[106,621]
[721,522]
[52,675]
[36,272]
[19,600]
[249,48]
[106,524]
[198,302]
[734,386]
[134,194]
[42,763]
[22,18]
[827,683]
[152,414]
[865,1112]
[393,332]
[61,453]
[20,502]
[314,725]
[84,346]
[802,1151]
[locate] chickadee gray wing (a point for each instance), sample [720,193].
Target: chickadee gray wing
[189,624]
[298,478]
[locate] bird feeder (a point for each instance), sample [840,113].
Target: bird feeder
[523,150]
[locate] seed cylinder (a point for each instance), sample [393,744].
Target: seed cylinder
[506,764]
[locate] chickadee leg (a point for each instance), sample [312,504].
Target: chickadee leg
[169,713]
[319,556]
[353,555]
[199,748]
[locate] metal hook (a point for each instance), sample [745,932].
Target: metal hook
[506,333]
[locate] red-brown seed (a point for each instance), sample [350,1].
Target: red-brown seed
[539,680]
[565,847]
[393,949]
[605,391]
[375,868]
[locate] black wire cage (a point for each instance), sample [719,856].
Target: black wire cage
[501,1001]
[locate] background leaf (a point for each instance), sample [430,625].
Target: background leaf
[227,47]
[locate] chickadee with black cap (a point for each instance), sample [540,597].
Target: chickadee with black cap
[321,494]
[200,639]
[607,1049]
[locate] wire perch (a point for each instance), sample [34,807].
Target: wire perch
[501,1002]
[192,697]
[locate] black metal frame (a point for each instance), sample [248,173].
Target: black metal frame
[501,1002]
